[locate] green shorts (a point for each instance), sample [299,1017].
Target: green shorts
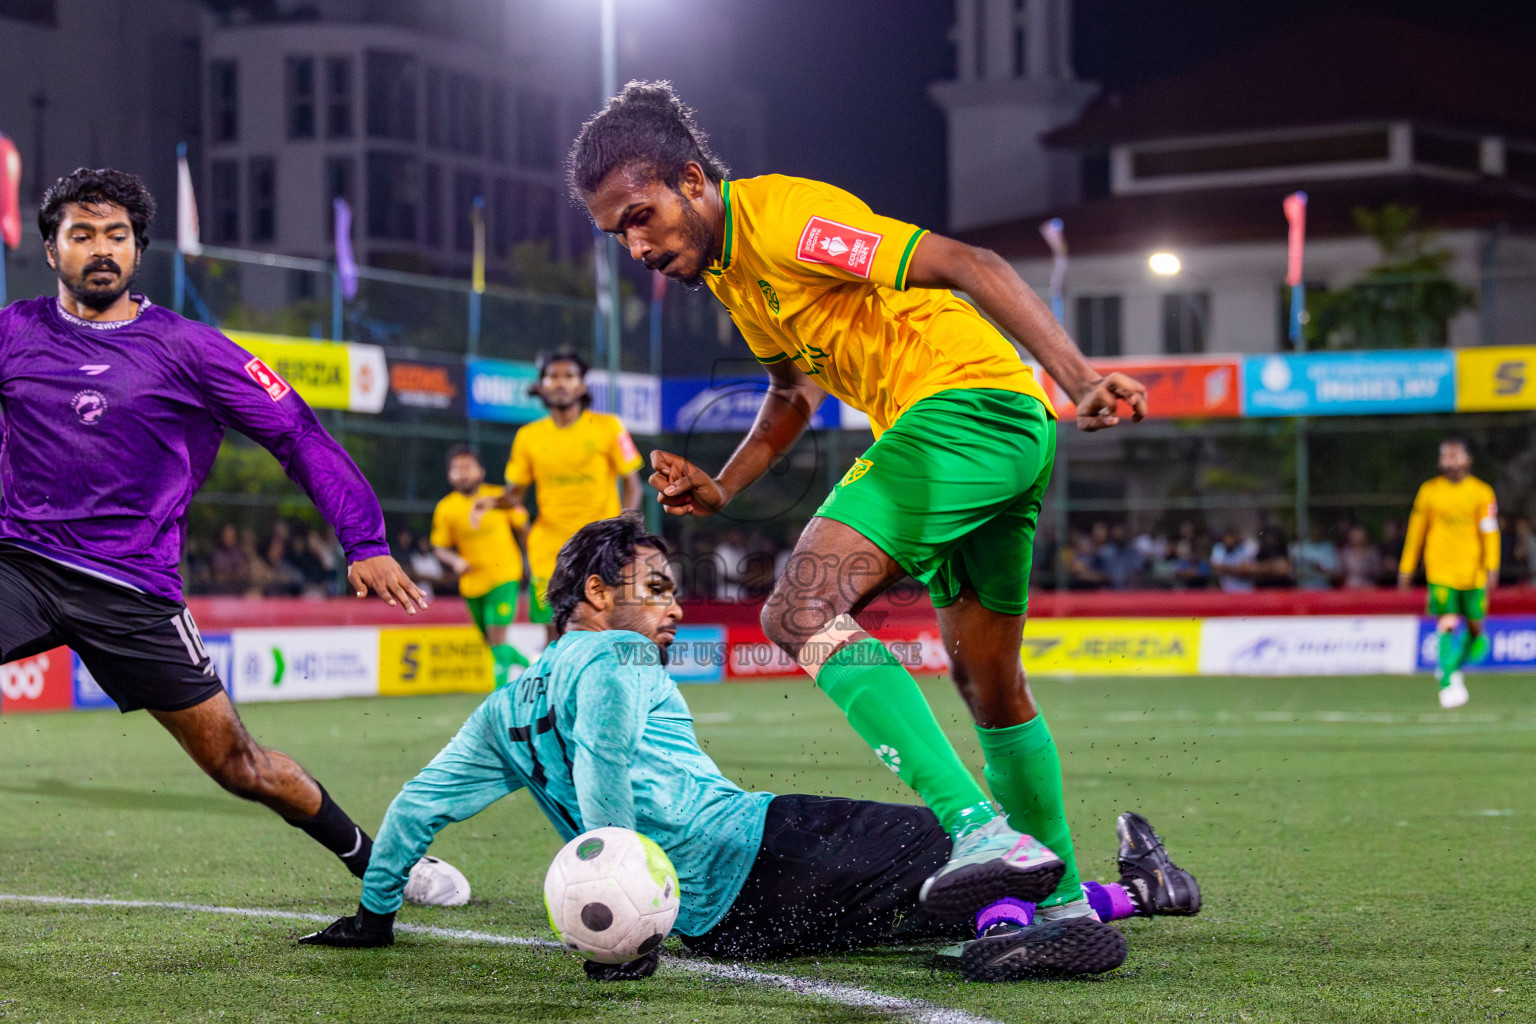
[496,607]
[538,601]
[952,492]
[1469,604]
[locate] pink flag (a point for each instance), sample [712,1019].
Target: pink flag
[1296,214]
[10,193]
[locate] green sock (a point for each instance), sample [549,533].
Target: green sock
[886,708]
[503,658]
[1474,651]
[1024,772]
[1451,645]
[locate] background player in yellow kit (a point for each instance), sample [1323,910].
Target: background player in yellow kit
[486,556]
[575,460]
[1455,522]
[950,491]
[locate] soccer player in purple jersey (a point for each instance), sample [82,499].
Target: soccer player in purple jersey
[114,409]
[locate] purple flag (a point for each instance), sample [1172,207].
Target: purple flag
[346,263]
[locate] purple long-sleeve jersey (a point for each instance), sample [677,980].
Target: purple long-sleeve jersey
[111,428]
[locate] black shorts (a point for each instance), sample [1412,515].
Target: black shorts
[143,650]
[833,875]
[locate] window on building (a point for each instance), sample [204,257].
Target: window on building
[224,203]
[1186,319]
[536,146]
[1451,151]
[466,186]
[338,98]
[1098,325]
[224,100]
[340,183]
[391,95]
[508,210]
[261,176]
[432,88]
[394,195]
[500,118]
[301,97]
[432,205]
[466,115]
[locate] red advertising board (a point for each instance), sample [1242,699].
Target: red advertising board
[752,656]
[1176,388]
[39,683]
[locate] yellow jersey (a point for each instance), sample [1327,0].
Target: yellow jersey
[810,273]
[491,550]
[574,470]
[1457,525]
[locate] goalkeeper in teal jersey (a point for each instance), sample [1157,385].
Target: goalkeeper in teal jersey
[598,733]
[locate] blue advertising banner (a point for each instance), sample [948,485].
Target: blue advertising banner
[88,693]
[498,391]
[703,405]
[1511,644]
[1349,383]
[697,655]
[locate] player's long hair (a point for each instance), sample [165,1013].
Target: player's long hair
[645,125]
[603,549]
[95,187]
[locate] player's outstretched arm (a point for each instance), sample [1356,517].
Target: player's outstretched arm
[792,399]
[995,287]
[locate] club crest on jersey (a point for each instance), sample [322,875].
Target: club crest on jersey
[270,382]
[827,241]
[89,406]
[857,470]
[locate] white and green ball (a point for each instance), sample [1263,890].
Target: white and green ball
[611,895]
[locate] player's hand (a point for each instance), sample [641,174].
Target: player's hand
[1404,581]
[683,488]
[1100,406]
[364,930]
[641,967]
[1493,580]
[478,510]
[383,575]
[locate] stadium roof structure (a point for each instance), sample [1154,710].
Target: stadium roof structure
[1217,216]
[1341,67]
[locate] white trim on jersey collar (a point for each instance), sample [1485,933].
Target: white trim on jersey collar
[103,325]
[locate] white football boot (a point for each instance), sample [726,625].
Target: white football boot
[1454,693]
[436,883]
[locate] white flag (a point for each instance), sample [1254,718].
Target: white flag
[187,241]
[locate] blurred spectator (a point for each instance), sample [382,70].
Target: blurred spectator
[1081,563]
[1360,560]
[426,569]
[1272,559]
[1316,561]
[196,576]
[1047,557]
[1233,561]
[229,570]
[284,578]
[1119,560]
[1191,566]
[1391,548]
[258,572]
[730,565]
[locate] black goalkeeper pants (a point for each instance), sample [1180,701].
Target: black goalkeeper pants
[833,875]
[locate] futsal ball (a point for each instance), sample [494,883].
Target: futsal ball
[611,895]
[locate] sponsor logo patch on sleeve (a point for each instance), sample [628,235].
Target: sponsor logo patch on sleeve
[269,381]
[627,446]
[827,241]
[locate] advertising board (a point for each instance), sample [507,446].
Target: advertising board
[1511,644]
[497,391]
[1349,383]
[1324,645]
[37,683]
[304,664]
[1100,647]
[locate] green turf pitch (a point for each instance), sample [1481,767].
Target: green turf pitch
[1365,857]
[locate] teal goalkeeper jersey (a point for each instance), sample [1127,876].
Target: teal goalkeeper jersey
[599,735]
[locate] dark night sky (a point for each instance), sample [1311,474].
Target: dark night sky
[846,80]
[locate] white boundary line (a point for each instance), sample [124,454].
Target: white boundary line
[914,1010]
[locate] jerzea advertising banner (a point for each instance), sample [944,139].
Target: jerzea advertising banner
[1325,645]
[1176,388]
[305,664]
[1496,378]
[1113,647]
[1511,644]
[498,391]
[327,374]
[1349,383]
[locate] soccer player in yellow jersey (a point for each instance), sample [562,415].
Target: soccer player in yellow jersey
[485,556]
[575,460]
[1455,522]
[833,298]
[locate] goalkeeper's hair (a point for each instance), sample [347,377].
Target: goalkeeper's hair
[603,549]
[645,126]
[102,186]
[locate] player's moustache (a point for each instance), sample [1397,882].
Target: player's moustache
[106,263]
